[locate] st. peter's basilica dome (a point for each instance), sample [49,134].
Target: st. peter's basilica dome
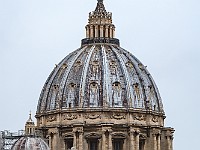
[100,74]
[101,97]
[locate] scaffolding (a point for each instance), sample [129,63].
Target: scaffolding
[7,138]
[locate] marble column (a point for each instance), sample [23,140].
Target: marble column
[132,145]
[87,32]
[101,31]
[168,143]
[91,31]
[80,140]
[106,32]
[96,31]
[103,141]
[111,32]
[50,141]
[137,141]
[110,141]
[56,143]
[154,142]
[74,140]
[158,142]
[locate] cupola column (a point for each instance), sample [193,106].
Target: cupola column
[96,31]
[101,31]
[87,31]
[106,32]
[111,32]
[91,31]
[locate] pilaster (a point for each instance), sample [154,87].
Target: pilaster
[110,139]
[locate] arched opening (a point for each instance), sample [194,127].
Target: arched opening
[93,102]
[116,94]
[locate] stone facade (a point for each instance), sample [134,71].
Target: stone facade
[101,97]
[132,130]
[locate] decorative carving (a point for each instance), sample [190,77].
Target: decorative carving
[70,116]
[141,66]
[154,119]
[143,136]
[93,136]
[51,118]
[139,117]
[113,67]
[118,116]
[92,116]
[77,65]
[95,68]
[119,135]
[156,132]
[129,65]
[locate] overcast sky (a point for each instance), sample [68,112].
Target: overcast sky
[164,34]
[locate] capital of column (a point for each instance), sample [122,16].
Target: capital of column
[156,132]
[134,130]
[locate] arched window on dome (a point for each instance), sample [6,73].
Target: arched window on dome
[54,92]
[93,101]
[116,94]
[138,99]
[71,95]
[113,70]
[152,98]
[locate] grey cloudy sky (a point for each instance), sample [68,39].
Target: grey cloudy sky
[164,34]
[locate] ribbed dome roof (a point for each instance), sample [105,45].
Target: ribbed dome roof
[100,74]
[30,143]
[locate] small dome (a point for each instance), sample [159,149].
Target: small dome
[100,76]
[30,143]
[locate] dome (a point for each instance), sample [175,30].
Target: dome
[30,143]
[100,74]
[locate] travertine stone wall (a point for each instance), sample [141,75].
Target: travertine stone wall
[137,130]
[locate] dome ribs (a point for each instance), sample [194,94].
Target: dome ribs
[64,82]
[129,97]
[83,78]
[106,80]
[151,94]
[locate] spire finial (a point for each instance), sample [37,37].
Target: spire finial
[30,115]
